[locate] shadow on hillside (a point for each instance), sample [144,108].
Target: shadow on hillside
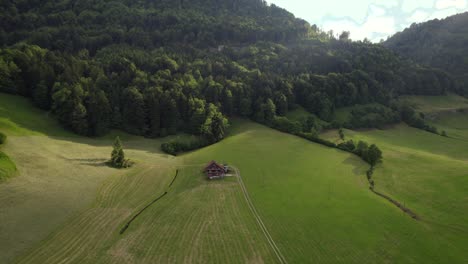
[359,166]
[19,117]
[91,162]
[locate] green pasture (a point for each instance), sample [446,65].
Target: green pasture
[66,206]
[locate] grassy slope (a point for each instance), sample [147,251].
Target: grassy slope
[429,104]
[314,200]
[59,174]
[300,115]
[449,113]
[65,197]
[342,115]
[7,167]
[427,172]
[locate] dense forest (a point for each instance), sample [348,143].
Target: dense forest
[438,43]
[159,67]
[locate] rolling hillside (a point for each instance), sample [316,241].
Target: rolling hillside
[314,201]
[74,75]
[438,43]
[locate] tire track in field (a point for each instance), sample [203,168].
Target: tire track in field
[147,206]
[265,231]
[160,250]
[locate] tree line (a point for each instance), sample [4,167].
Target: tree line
[438,43]
[176,85]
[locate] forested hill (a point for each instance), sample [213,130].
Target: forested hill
[75,25]
[439,43]
[155,68]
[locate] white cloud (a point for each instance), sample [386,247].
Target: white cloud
[372,19]
[373,28]
[418,16]
[411,5]
[387,3]
[444,4]
[441,14]
[376,11]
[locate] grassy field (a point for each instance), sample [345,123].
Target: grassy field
[7,167]
[65,206]
[342,115]
[315,202]
[430,104]
[59,174]
[448,113]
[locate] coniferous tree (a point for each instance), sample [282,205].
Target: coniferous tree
[117,155]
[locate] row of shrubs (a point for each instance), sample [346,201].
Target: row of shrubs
[176,147]
[372,116]
[377,116]
[369,153]
[410,117]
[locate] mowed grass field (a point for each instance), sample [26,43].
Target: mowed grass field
[65,206]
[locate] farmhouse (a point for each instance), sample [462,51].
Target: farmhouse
[215,170]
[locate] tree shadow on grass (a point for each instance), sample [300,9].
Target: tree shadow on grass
[92,162]
[359,166]
[19,117]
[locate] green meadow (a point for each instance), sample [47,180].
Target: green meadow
[428,104]
[65,206]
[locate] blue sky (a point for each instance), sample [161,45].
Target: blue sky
[372,19]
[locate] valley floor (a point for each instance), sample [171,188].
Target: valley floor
[66,206]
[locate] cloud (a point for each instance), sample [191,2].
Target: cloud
[372,19]
[387,3]
[411,5]
[374,28]
[441,14]
[376,11]
[418,16]
[444,4]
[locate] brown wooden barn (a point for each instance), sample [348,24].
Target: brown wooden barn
[215,170]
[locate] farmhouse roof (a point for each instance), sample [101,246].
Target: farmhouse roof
[214,163]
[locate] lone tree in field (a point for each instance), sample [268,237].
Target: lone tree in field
[374,155]
[341,133]
[118,155]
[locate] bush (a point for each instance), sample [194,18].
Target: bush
[369,173]
[285,125]
[178,146]
[348,146]
[372,116]
[370,154]
[410,117]
[314,138]
[3,138]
